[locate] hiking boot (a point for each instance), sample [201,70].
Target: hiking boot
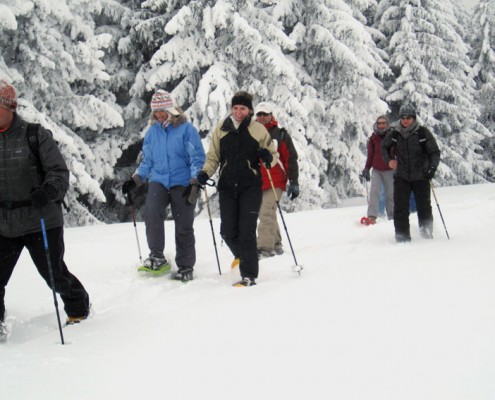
[3,332]
[279,249]
[155,263]
[184,274]
[235,263]
[402,238]
[425,233]
[264,253]
[244,282]
[75,320]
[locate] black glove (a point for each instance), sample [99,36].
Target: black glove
[430,173]
[39,197]
[265,156]
[366,174]
[191,192]
[293,190]
[128,186]
[203,178]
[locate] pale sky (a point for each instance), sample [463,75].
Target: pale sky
[469,3]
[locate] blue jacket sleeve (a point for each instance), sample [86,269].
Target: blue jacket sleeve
[195,151]
[147,163]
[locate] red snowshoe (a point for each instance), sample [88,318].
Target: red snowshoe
[368,221]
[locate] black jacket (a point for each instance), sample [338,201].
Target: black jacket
[235,152]
[20,173]
[415,154]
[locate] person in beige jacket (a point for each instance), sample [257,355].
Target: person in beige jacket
[238,146]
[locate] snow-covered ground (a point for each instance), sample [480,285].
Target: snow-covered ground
[367,318]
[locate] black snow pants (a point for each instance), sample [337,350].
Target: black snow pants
[402,193]
[72,292]
[239,216]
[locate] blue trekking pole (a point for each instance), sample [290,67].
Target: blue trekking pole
[50,273]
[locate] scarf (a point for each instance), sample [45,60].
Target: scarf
[406,132]
[273,122]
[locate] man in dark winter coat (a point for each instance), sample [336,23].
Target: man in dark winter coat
[417,159]
[32,186]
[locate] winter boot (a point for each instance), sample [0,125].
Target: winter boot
[244,282]
[155,265]
[3,332]
[279,249]
[425,232]
[402,237]
[265,253]
[184,274]
[75,320]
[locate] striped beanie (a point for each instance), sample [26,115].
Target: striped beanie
[162,100]
[8,96]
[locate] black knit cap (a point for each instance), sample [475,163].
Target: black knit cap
[244,99]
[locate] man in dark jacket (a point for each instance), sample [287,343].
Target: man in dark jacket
[32,186]
[417,159]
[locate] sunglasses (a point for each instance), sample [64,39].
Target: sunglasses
[406,117]
[262,114]
[381,123]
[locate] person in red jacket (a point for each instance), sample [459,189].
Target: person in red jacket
[382,174]
[287,169]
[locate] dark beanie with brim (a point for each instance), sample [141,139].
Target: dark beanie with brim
[242,101]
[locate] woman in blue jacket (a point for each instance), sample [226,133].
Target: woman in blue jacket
[173,155]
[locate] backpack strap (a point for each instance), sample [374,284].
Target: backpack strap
[282,132]
[33,141]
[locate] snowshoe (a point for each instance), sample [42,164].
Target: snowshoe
[367,221]
[183,274]
[244,282]
[155,266]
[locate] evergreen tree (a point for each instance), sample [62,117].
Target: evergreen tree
[483,54]
[430,62]
[53,55]
[340,66]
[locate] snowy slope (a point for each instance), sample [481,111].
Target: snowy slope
[367,318]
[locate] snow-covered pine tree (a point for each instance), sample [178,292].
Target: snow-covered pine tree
[430,61]
[483,54]
[341,69]
[52,54]
[207,50]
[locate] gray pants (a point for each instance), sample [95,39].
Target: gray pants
[379,178]
[157,201]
